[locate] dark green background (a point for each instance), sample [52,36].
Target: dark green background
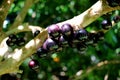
[47,12]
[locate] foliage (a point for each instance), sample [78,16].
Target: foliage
[69,61]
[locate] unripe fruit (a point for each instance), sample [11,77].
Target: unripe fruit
[106,24]
[50,44]
[33,64]
[36,33]
[54,31]
[56,59]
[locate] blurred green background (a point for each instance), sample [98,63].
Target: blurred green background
[66,63]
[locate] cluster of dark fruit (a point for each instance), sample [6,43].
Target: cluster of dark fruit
[113,3]
[65,36]
[16,40]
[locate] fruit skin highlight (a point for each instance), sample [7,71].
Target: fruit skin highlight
[33,64]
[50,44]
[36,33]
[106,24]
[54,32]
[11,40]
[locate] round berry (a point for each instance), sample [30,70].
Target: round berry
[54,31]
[33,64]
[116,19]
[41,52]
[11,40]
[62,41]
[106,24]
[66,29]
[81,35]
[10,43]
[20,41]
[50,44]
[12,37]
[36,33]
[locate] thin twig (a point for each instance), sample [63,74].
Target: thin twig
[90,69]
[4,8]
[21,16]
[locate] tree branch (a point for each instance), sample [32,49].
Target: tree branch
[20,17]
[13,59]
[24,28]
[4,8]
[98,9]
[102,64]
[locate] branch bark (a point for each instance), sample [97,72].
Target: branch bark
[14,58]
[98,9]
